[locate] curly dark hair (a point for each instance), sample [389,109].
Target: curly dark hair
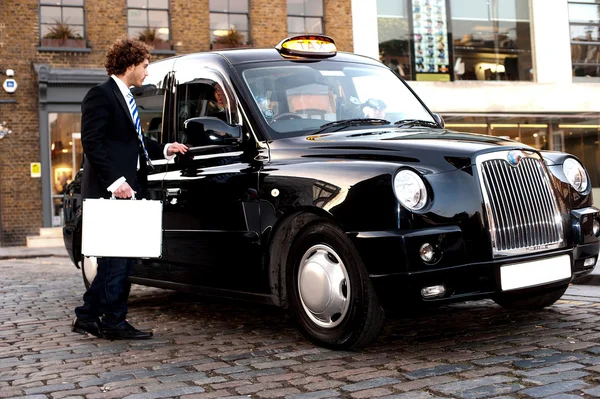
[125,52]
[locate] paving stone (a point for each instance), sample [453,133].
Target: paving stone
[557,368]
[371,393]
[555,388]
[409,395]
[436,371]
[376,382]
[277,393]
[543,361]
[315,395]
[49,388]
[550,378]
[166,393]
[455,388]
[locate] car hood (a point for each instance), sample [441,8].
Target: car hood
[433,150]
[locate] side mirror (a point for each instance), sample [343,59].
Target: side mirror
[438,118]
[206,130]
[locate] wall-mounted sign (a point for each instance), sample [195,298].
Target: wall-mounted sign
[10,85]
[36,169]
[430,29]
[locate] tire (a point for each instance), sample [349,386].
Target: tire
[89,267]
[533,302]
[321,259]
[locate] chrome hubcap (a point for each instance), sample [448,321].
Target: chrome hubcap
[90,268]
[324,286]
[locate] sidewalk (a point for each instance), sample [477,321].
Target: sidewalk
[25,252]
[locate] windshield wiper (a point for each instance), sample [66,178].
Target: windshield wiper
[415,122]
[351,122]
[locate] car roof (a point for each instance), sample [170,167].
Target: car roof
[242,56]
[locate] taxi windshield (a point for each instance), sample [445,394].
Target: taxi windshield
[297,99]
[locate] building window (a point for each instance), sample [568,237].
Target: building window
[62,23]
[394,36]
[584,20]
[228,23]
[148,21]
[492,39]
[305,16]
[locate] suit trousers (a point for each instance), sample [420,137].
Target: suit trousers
[108,293]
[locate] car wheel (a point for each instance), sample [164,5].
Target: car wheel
[89,270]
[329,290]
[532,302]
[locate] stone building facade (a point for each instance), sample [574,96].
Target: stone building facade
[52,80]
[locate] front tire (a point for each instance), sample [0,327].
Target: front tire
[532,302]
[330,292]
[89,268]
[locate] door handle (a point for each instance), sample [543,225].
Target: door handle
[172,195]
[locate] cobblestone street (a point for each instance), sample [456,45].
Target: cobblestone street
[213,348]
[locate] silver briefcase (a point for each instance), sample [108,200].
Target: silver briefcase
[121,228]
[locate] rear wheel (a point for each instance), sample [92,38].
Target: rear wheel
[530,302]
[330,293]
[89,269]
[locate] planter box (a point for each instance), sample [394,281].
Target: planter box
[161,45]
[69,43]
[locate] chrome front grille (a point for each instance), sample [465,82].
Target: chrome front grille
[521,208]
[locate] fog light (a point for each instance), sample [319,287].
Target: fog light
[426,252]
[433,291]
[596,227]
[589,262]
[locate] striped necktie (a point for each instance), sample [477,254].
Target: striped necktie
[138,126]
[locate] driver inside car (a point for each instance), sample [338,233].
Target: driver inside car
[373,108]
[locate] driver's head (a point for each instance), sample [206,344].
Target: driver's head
[220,96]
[373,108]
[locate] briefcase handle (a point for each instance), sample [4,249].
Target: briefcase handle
[112,197]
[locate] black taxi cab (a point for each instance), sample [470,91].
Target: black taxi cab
[318,181]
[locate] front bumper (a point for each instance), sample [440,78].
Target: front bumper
[463,275]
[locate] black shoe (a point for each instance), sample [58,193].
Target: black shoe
[123,330]
[87,327]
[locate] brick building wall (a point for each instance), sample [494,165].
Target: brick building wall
[21,195]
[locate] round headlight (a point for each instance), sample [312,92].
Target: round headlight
[410,190]
[575,174]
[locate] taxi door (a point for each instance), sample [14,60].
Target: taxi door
[211,222]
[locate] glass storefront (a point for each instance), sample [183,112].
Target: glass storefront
[65,157]
[575,134]
[490,39]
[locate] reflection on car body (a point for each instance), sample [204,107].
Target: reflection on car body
[291,195]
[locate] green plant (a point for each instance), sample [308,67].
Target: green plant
[232,38]
[62,31]
[148,35]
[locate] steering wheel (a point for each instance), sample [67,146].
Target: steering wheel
[286,116]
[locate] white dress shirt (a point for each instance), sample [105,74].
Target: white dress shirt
[125,92]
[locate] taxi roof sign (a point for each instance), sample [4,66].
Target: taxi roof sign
[307,46]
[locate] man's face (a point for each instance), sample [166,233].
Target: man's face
[374,113]
[136,74]
[220,96]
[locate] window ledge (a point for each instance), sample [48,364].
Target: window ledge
[166,52]
[65,49]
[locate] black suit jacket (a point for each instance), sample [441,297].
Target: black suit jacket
[110,142]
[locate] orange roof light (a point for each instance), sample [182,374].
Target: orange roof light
[307,46]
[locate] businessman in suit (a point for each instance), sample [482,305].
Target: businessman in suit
[117,159]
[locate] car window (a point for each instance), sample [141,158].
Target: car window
[296,99]
[199,99]
[150,102]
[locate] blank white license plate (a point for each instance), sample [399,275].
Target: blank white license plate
[529,274]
